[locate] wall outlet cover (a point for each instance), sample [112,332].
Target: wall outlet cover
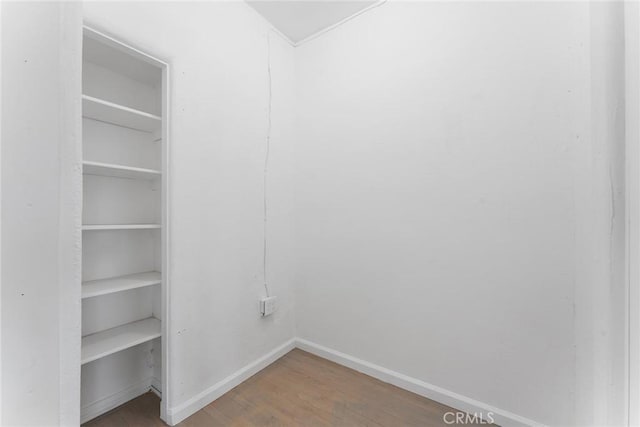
[267,305]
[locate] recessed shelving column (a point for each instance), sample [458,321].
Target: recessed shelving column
[124,248]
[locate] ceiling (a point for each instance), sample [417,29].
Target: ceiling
[301,19]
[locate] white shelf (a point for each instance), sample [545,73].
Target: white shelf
[105,111]
[113,57]
[98,227]
[118,171]
[96,288]
[101,344]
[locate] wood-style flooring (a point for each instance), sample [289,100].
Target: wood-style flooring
[299,389]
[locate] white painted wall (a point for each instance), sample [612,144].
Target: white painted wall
[600,295]
[218,54]
[456,169]
[40,213]
[632,199]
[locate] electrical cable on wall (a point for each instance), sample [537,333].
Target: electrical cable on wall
[266,167]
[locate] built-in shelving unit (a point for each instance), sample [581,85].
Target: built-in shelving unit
[124,251]
[102,344]
[95,288]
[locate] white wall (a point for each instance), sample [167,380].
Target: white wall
[444,159]
[600,295]
[219,119]
[40,213]
[632,199]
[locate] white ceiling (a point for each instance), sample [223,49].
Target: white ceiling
[299,19]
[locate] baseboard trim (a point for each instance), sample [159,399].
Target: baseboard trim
[156,387]
[430,391]
[202,399]
[108,403]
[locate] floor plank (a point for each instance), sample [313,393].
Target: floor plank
[299,389]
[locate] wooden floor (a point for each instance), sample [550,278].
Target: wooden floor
[299,389]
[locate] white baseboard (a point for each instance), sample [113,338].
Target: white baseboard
[108,403]
[202,399]
[156,387]
[430,391]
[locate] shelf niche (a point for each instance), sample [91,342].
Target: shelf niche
[124,212]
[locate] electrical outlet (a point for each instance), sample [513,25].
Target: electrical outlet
[267,306]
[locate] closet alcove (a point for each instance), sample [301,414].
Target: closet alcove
[124,216]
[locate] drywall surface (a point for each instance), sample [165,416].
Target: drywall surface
[601,292]
[219,94]
[40,213]
[632,199]
[443,165]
